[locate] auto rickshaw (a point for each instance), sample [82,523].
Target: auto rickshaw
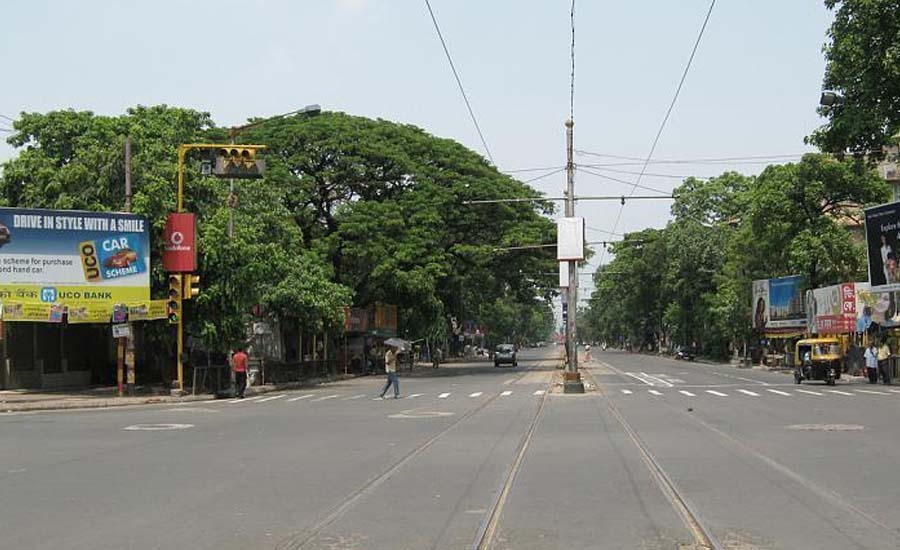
[818,359]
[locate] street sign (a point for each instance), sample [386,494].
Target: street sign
[121,331]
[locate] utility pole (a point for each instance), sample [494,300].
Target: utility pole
[129,340]
[572,377]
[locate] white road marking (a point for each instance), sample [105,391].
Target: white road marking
[249,400]
[810,392]
[894,391]
[360,396]
[627,392]
[641,377]
[539,392]
[415,395]
[748,392]
[720,394]
[687,393]
[307,396]
[504,394]
[508,382]
[654,392]
[839,392]
[779,392]
[873,392]
[273,398]
[657,381]
[324,398]
[476,394]
[444,395]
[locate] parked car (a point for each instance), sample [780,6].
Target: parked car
[505,354]
[686,353]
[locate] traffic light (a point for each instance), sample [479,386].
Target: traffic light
[190,288]
[173,303]
[239,163]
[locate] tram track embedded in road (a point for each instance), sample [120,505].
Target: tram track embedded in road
[303,538]
[702,534]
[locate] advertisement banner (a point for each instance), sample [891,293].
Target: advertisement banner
[89,313]
[180,250]
[876,308]
[33,312]
[883,246]
[570,239]
[148,310]
[779,303]
[832,309]
[63,256]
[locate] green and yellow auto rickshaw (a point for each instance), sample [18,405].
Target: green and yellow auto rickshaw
[818,359]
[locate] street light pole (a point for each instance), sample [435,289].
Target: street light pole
[572,381]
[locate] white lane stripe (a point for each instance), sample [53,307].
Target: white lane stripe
[307,396]
[504,394]
[476,394]
[539,392]
[654,392]
[839,392]
[637,377]
[779,392]
[415,395]
[894,391]
[810,392]
[248,400]
[873,392]
[360,396]
[627,392]
[324,398]
[273,398]
[444,395]
[720,394]
[748,392]
[687,393]
[657,381]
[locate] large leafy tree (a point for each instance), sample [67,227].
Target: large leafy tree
[386,203]
[863,65]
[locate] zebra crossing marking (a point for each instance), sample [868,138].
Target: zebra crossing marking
[873,392]
[750,393]
[539,392]
[306,396]
[476,394]
[810,392]
[444,395]
[714,392]
[627,392]
[504,394]
[687,393]
[273,398]
[654,392]
[779,392]
[839,392]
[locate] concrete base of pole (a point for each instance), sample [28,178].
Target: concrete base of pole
[572,383]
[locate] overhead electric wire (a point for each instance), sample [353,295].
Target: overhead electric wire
[672,176]
[662,126]
[547,175]
[7,118]
[459,82]
[687,160]
[534,169]
[641,186]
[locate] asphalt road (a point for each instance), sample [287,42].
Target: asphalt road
[663,455]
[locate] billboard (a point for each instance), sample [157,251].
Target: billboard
[69,257]
[180,249]
[832,309]
[779,303]
[570,239]
[883,246]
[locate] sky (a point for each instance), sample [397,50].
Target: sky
[752,89]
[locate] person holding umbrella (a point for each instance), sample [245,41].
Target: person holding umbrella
[390,366]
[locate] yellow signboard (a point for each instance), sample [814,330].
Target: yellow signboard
[147,310]
[89,313]
[72,294]
[34,312]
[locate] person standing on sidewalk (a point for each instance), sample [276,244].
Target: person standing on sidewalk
[390,368]
[871,356]
[884,362]
[239,365]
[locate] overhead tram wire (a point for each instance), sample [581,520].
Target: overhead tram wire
[649,174]
[641,186]
[637,160]
[547,175]
[665,120]
[459,82]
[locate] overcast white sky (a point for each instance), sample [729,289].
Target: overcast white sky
[752,90]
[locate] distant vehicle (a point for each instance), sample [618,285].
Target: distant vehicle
[686,353]
[505,354]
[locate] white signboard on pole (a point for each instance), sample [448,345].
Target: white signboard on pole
[563,274]
[570,239]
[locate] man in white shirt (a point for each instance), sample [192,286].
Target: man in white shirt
[871,356]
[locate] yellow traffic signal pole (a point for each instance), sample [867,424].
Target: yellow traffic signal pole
[182,153]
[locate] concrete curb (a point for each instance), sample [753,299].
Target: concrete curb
[107,402]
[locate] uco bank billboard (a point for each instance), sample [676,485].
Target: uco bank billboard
[67,257]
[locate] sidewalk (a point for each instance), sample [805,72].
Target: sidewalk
[102,397]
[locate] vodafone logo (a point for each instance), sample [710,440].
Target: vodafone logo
[177,238]
[176,242]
